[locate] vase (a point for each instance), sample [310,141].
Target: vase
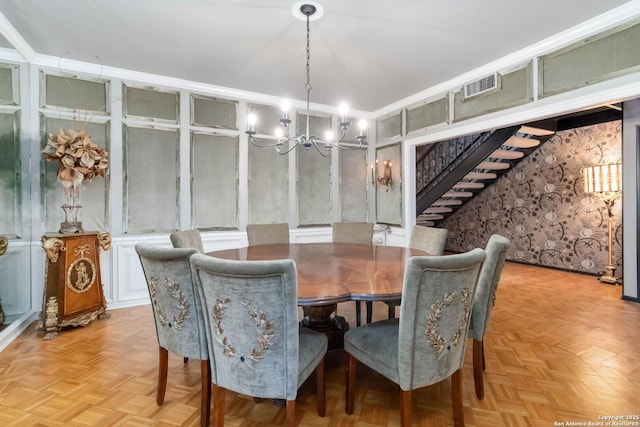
[71,208]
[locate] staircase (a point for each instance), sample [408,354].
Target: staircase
[450,173]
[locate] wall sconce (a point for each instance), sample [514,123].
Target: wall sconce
[605,182]
[385,179]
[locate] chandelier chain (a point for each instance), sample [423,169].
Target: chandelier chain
[285,143]
[308,85]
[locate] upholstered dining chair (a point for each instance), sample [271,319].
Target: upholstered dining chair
[256,346]
[355,232]
[426,344]
[176,311]
[264,234]
[428,239]
[187,239]
[483,303]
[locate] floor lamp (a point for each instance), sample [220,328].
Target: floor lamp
[605,182]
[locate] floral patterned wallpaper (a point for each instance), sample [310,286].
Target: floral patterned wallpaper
[540,206]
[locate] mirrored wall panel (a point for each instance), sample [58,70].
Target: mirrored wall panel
[268,185]
[313,175]
[213,112]
[151,179]
[71,93]
[353,185]
[214,181]
[10,175]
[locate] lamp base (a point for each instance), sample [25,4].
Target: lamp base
[609,279]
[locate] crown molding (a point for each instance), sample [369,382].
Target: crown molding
[618,16]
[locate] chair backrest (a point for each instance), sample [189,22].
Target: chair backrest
[174,300]
[187,239]
[353,232]
[251,319]
[497,248]
[429,239]
[264,234]
[437,298]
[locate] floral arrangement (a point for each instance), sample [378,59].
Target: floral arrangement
[80,159]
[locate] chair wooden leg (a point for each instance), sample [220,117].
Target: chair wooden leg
[369,305]
[456,398]
[205,398]
[351,383]
[484,365]
[321,388]
[391,310]
[478,357]
[163,366]
[358,313]
[291,413]
[218,406]
[185,360]
[405,407]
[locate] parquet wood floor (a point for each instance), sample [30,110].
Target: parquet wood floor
[561,347]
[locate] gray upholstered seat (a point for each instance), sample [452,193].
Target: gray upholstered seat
[176,310]
[256,345]
[428,239]
[355,232]
[187,239]
[264,234]
[483,302]
[427,343]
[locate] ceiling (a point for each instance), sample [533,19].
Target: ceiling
[370,53]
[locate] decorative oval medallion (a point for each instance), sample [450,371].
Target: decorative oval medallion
[81,275]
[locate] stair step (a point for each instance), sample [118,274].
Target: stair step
[458,194]
[480,175]
[535,131]
[425,223]
[493,165]
[437,209]
[507,154]
[448,202]
[519,142]
[430,217]
[467,184]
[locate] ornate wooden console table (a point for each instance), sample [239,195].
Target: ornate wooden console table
[73,294]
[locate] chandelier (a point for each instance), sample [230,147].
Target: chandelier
[285,142]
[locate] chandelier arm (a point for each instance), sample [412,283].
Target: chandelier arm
[255,144]
[314,142]
[291,144]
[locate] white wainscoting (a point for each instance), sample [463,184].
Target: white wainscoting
[122,277]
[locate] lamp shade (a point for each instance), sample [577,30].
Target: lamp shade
[602,178]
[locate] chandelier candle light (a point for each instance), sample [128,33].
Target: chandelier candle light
[605,182]
[285,142]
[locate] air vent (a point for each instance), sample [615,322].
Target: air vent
[482,85]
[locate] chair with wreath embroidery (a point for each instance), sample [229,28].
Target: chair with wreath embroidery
[187,239]
[426,344]
[483,303]
[176,310]
[431,240]
[256,346]
[264,234]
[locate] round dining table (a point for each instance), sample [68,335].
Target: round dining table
[330,273]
